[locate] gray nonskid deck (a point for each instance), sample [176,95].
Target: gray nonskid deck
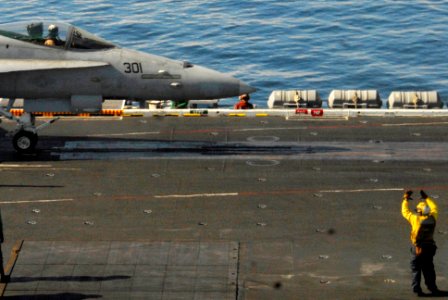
[151,270]
[312,205]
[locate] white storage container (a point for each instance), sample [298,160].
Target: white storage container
[354,99]
[294,98]
[415,99]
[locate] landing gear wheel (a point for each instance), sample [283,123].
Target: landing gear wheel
[24,141]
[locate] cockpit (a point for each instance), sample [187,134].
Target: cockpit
[54,34]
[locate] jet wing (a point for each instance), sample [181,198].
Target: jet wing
[21,65]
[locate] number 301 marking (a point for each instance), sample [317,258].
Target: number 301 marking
[133,67]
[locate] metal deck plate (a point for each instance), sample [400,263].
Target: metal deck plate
[151,270]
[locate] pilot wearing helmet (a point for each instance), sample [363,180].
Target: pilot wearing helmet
[52,38]
[423,223]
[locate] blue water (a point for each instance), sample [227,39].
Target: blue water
[324,45]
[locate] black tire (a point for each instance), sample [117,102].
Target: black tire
[24,141]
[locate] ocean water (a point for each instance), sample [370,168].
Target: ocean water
[385,45]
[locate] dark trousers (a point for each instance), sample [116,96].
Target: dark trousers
[423,263]
[2,271]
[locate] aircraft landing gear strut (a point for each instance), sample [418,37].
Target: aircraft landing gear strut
[25,136]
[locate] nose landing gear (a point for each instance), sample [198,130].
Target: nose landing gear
[25,136]
[25,141]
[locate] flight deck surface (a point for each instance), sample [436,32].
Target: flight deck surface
[221,208]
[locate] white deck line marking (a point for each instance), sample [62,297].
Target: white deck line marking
[197,195]
[35,201]
[34,167]
[121,134]
[362,190]
[24,166]
[267,128]
[415,124]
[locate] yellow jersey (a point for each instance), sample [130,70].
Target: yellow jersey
[422,225]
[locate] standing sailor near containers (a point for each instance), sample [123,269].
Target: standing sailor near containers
[244,102]
[423,223]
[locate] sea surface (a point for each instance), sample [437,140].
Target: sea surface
[273,45]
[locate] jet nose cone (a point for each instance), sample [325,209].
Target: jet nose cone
[246,89]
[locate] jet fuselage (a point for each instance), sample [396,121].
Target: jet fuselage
[126,74]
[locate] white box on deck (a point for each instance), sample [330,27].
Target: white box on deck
[294,98]
[354,99]
[415,99]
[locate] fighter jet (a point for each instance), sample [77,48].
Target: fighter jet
[58,67]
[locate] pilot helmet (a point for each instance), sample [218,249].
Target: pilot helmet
[423,208]
[53,30]
[35,30]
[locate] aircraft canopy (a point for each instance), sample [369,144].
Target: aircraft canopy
[63,35]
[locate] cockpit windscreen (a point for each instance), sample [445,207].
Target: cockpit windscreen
[81,39]
[37,32]
[54,34]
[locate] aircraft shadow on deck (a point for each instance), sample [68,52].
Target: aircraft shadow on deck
[66,296]
[70,278]
[29,186]
[48,148]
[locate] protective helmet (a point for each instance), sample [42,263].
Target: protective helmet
[245,97]
[423,208]
[53,30]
